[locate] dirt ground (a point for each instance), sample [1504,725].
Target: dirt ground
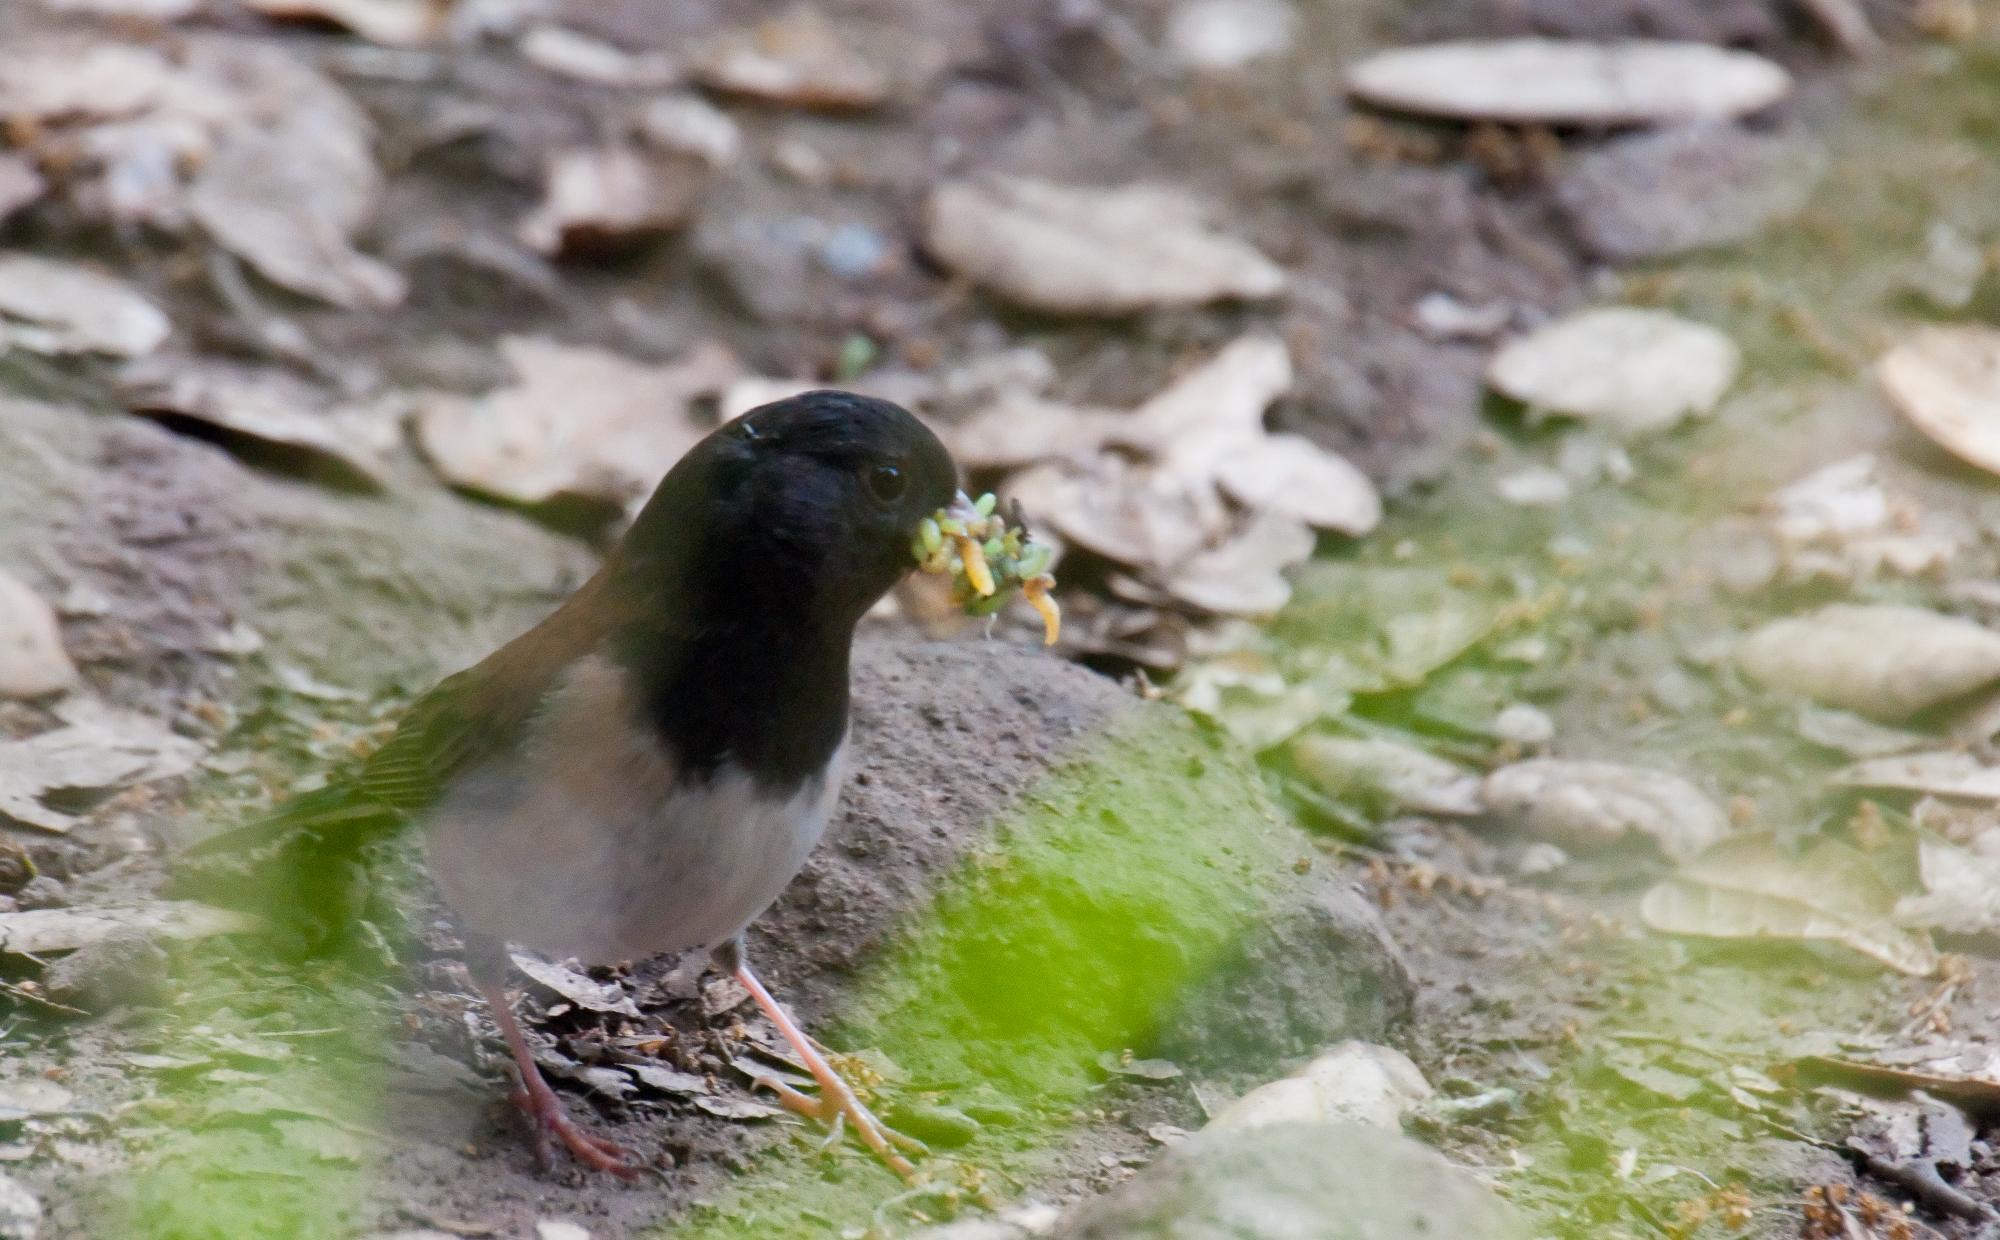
[1594,1048]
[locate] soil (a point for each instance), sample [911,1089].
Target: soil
[284,620]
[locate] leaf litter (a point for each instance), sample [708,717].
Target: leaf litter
[33,662]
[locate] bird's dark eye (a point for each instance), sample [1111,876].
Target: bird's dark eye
[886,483]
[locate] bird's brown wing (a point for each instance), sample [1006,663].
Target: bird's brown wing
[471,716]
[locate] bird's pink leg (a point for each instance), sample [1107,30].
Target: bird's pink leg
[544,1109]
[836,1101]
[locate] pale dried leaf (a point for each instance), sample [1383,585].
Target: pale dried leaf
[29,1096]
[1961,892]
[1218,404]
[1081,250]
[1943,773]
[690,125]
[584,992]
[21,184]
[396,23]
[578,421]
[669,1080]
[73,76]
[574,55]
[1355,1082]
[602,198]
[736,1108]
[48,930]
[1749,888]
[1245,575]
[1220,35]
[1534,81]
[1946,381]
[56,307]
[99,750]
[1594,804]
[1295,477]
[33,662]
[1884,661]
[1019,430]
[1409,777]
[797,59]
[1119,510]
[1855,735]
[1637,370]
[270,407]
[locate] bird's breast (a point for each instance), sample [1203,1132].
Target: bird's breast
[593,842]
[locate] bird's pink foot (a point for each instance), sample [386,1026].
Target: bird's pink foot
[550,1120]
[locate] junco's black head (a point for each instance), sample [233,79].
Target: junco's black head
[806,504]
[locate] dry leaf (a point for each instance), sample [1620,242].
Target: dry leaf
[1245,575]
[690,125]
[1946,381]
[1408,777]
[1292,476]
[397,23]
[33,662]
[99,750]
[798,60]
[20,185]
[1944,774]
[578,421]
[291,180]
[1961,892]
[1078,250]
[573,55]
[270,407]
[1220,35]
[1637,370]
[43,931]
[1855,735]
[604,198]
[55,307]
[1355,1082]
[584,992]
[1594,804]
[68,76]
[1841,522]
[1019,430]
[1749,888]
[736,1108]
[1570,82]
[1884,661]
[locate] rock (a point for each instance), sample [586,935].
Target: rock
[1297,1182]
[1107,915]
[1946,381]
[1355,1082]
[1691,187]
[33,662]
[114,973]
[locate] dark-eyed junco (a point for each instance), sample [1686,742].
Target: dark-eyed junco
[646,769]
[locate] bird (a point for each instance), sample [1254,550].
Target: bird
[646,769]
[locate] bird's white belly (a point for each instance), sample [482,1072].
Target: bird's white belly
[602,852]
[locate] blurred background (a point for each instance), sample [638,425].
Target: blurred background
[1520,756]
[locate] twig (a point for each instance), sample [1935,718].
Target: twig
[1919,1177]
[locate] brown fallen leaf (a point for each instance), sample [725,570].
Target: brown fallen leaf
[1946,773]
[584,992]
[577,422]
[1978,1096]
[1408,778]
[33,662]
[1750,888]
[270,407]
[55,307]
[1086,250]
[797,59]
[605,198]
